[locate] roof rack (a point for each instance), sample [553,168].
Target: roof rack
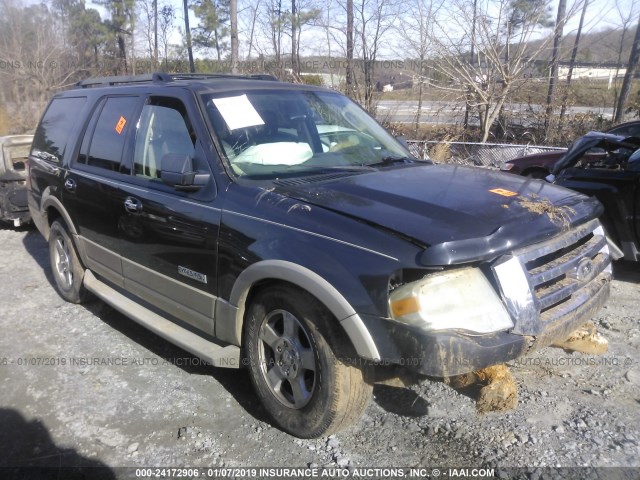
[205,76]
[162,77]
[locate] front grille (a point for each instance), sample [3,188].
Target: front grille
[552,279]
[559,268]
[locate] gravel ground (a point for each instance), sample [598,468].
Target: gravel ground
[83,385]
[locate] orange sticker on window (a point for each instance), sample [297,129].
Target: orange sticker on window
[120,125]
[503,192]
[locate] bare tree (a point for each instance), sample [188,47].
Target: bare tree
[374,19]
[555,57]
[247,19]
[187,32]
[572,61]
[632,66]
[167,16]
[493,75]
[349,35]
[302,14]
[145,23]
[233,18]
[415,31]
[295,64]
[273,21]
[36,62]
[155,32]
[627,12]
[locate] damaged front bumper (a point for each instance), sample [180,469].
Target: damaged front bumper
[445,354]
[549,289]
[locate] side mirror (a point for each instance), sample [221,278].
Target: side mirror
[176,170]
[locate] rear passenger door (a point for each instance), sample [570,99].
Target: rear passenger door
[91,189]
[168,238]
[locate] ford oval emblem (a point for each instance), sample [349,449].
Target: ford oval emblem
[585,270]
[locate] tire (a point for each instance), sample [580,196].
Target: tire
[67,270]
[293,347]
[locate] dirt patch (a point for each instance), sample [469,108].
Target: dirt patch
[558,215]
[493,388]
[585,340]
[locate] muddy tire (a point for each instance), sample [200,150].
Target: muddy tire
[293,348]
[67,270]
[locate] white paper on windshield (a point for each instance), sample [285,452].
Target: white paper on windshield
[238,112]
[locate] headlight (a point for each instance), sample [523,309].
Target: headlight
[458,299]
[506,166]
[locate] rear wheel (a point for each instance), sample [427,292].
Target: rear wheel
[294,348]
[65,264]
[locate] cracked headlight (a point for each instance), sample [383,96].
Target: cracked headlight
[458,299]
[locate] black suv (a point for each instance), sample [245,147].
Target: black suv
[279,227]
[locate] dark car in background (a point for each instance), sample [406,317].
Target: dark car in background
[14,151]
[613,177]
[539,165]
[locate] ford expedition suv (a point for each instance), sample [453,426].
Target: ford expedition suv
[278,227]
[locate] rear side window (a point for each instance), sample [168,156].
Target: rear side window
[108,140]
[58,122]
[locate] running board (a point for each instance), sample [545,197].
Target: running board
[216,355]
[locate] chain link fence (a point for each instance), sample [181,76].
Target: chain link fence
[470,153]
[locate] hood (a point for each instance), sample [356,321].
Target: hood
[606,141]
[464,213]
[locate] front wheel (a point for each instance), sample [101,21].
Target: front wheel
[67,269]
[293,344]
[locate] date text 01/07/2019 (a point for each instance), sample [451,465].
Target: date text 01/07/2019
[321,473]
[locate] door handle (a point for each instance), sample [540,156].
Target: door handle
[70,185]
[132,205]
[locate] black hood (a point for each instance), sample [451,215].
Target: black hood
[462,213]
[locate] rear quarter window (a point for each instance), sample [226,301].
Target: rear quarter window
[57,123]
[109,137]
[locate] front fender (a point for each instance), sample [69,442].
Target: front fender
[229,326]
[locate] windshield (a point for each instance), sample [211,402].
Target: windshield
[273,134]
